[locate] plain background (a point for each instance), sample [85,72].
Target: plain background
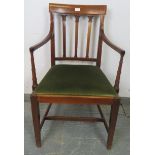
[116,28]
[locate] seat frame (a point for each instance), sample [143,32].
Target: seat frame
[36,99]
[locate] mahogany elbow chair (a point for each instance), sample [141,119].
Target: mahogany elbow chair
[91,86]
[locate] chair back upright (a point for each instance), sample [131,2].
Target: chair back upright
[77,11]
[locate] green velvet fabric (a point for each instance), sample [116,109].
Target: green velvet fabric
[83,80]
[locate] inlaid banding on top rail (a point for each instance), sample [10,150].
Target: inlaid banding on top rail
[78,9]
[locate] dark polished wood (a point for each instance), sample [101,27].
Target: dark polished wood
[72,118]
[44,41]
[121,52]
[117,80]
[64,35]
[34,77]
[112,123]
[36,119]
[99,53]
[88,35]
[81,9]
[65,99]
[45,115]
[77,11]
[102,116]
[108,42]
[52,40]
[76,34]
[76,58]
[50,36]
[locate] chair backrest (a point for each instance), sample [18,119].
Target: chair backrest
[77,11]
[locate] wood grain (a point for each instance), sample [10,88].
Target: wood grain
[76,10]
[88,35]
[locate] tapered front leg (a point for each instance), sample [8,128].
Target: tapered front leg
[36,120]
[112,123]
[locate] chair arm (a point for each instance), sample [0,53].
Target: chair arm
[41,43]
[121,52]
[32,49]
[109,43]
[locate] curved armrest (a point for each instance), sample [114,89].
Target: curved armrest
[109,43]
[32,49]
[44,41]
[121,52]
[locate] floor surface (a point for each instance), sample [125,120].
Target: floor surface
[77,138]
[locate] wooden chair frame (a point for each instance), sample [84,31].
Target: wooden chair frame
[90,11]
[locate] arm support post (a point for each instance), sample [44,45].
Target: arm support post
[32,49]
[121,52]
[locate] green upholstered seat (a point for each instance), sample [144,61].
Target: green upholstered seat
[83,80]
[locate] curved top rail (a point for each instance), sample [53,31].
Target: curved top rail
[77,9]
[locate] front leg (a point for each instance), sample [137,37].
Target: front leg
[112,123]
[36,119]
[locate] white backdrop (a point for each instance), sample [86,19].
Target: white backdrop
[116,28]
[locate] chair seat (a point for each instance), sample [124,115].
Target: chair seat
[77,80]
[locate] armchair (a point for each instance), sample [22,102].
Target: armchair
[91,86]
